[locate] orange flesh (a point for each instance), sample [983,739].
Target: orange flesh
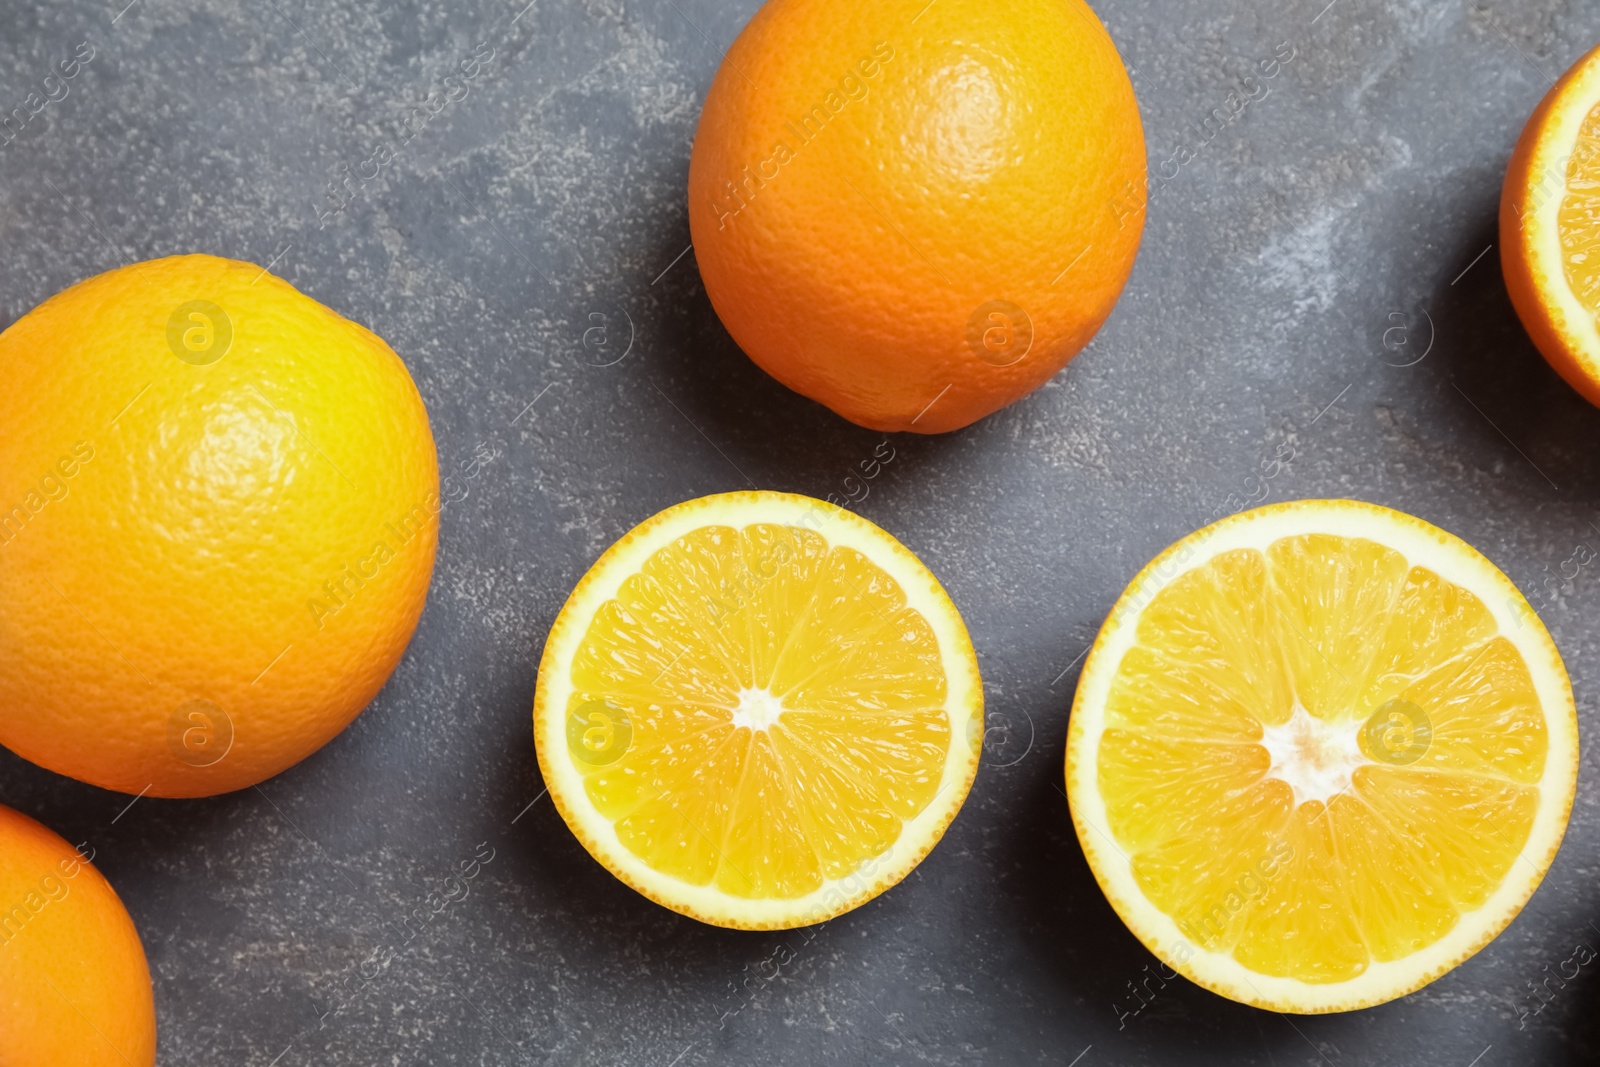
[758,710]
[1579,217]
[1325,631]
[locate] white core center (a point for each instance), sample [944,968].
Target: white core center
[1316,758]
[757,709]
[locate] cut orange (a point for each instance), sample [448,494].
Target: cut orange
[1550,226]
[759,710]
[1321,753]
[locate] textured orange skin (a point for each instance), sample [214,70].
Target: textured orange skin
[74,985]
[187,552]
[995,145]
[1545,325]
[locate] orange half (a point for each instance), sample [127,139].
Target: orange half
[1321,753]
[1550,227]
[759,710]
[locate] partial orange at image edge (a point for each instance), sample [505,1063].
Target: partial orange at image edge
[74,979]
[1557,144]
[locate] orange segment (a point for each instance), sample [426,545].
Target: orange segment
[1400,902]
[1432,621]
[1330,598]
[1578,218]
[1469,830]
[1304,925]
[1204,877]
[1484,715]
[1214,637]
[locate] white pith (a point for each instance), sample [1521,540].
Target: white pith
[757,709]
[1316,758]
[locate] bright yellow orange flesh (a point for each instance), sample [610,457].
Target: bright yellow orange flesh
[1192,799]
[1550,226]
[1317,757]
[1578,217]
[760,711]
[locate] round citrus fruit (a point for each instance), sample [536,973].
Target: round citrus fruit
[1550,227]
[759,710]
[1321,753]
[914,212]
[217,526]
[74,986]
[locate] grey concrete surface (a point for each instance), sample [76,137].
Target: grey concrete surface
[1336,230]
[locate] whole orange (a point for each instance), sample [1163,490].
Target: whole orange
[74,985]
[218,507]
[916,212]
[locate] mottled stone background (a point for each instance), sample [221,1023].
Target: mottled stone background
[1335,231]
